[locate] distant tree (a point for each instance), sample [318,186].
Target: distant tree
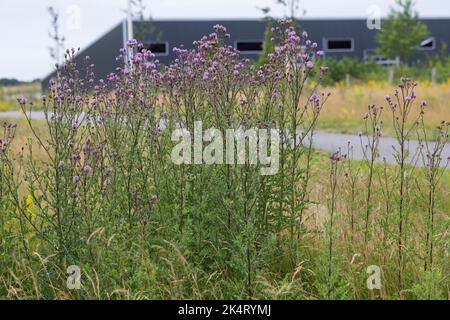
[9,82]
[401,32]
[55,36]
[4,82]
[146,28]
[268,46]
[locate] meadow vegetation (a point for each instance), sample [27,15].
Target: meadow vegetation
[10,93]
[94,185]
[347,105]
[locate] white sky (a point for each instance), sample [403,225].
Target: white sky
[24,24]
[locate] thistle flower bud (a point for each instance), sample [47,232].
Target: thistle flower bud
[87,168]
[323,70]
[335,157]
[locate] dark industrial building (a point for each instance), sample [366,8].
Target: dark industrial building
[336,37]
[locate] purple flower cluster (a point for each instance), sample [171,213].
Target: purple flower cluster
[212,77]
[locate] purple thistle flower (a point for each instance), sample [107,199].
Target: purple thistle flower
[314,98]
[22,100]
[61,164]
[335,157]
[132,43]
[87,168]
[260,74]
[76,179]
[309,64]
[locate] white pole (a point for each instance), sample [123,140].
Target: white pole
[391,75]
[129,32]
[129,21]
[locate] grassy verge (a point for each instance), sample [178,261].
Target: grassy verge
[347,106]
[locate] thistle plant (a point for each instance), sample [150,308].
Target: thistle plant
[387,192]
[335,160]
[401,107]
[352,176]
[296,58]
[373,122]
[7,168]
[435,165]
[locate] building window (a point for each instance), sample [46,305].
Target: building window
[428,44]
[249,46]
[158,48]
[339,45]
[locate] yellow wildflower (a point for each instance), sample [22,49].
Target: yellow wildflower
[29,200]
[371,83]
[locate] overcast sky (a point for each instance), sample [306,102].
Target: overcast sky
[24,24]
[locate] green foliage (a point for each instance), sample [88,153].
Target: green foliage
[145,30]
[9,82]
[401,32]
[429,286]
[364,71]
[355,68]
[268,45]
